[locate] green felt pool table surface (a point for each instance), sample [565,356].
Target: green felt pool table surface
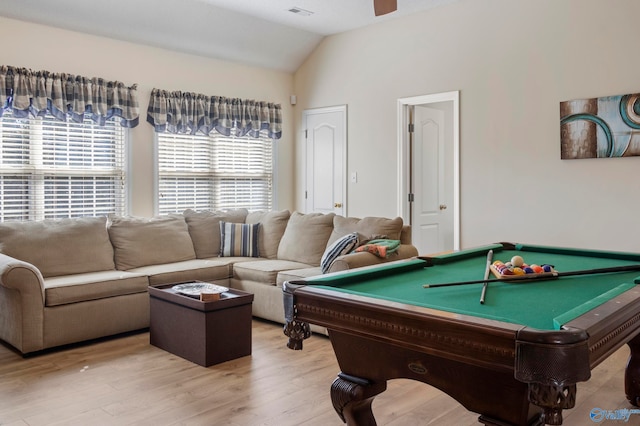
[541,304]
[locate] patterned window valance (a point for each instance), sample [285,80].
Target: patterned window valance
[35,93]
[183,112]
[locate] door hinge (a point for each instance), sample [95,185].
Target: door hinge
[411,127]
[411,198]
[305,195]
[305,134]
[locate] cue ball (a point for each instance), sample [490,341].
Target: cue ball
[517,260]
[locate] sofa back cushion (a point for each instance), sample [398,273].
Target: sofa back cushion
[272,226]
[60,247]
[204,228]
[305,237]
[150,241]
[368,227]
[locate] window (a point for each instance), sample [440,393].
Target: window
[214,172]
[50,169]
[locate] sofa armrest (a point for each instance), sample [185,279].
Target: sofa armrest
[21,304]
[358,260]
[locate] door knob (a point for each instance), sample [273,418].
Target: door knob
[337,205]
[443,206]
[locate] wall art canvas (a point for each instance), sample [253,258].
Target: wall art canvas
[600,127]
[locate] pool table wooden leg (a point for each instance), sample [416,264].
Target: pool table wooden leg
[553,399]
[352,398]
[632,373]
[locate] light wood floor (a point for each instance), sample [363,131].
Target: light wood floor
[125,381]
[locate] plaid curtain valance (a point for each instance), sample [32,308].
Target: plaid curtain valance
[35,93]
[184,112]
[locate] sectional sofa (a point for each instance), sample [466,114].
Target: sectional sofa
[70,280]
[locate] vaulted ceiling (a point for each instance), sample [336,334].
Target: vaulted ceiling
[264,33]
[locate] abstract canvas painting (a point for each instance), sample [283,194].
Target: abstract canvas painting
[600,127]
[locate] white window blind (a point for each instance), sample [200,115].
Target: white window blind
[214,172]
[51,169]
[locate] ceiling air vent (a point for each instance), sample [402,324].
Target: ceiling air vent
[300,11]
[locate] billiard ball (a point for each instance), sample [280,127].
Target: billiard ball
[517,261]
[537,268]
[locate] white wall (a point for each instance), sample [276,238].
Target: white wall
[46,48]
[513,61]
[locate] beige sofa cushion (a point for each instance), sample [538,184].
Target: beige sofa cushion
[150,241]
[204,228]
[305,238]
[59,247]
[91,286]
[272,226]
[216,270]
[264,271]
[367,227]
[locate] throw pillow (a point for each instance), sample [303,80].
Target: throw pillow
[339,247]
[239,239]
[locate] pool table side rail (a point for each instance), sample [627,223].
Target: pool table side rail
[427,330]
[610,325]
[619,255]
[444,258]
[441,259]
[386,269]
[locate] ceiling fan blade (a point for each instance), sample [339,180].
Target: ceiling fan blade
[382,7]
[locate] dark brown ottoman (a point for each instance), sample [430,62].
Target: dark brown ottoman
[206,333]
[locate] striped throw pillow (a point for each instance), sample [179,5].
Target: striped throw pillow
[339,247]
[239,239]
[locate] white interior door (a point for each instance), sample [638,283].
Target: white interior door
[432,208]
[429,171]
[326,142]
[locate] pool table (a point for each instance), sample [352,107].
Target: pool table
[514,359]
